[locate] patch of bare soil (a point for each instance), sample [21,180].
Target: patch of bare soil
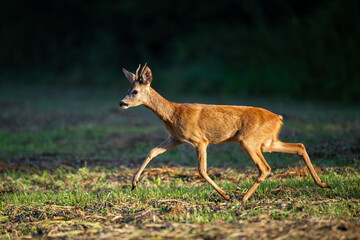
[50,161]
[257,228]
[121,222]
[334,149]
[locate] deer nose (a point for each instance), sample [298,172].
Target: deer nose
[123,104]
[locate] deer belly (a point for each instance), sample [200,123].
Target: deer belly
[216,136]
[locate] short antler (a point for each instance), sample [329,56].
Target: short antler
[137,72]
[142,70]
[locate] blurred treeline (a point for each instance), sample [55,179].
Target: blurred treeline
[304,49]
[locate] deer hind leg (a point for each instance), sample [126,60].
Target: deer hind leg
[202,165]
[263,167]
[170,143]
[295,148]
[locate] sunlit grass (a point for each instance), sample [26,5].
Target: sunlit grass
[89,189]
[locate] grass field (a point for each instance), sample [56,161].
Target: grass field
[67,158]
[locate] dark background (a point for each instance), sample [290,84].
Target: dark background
[298,49]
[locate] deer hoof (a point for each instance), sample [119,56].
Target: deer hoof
[323,185]
[226,197]
[133,187]
[326,185]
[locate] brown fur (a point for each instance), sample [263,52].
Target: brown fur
[255,129]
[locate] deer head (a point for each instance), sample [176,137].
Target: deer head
[138,92]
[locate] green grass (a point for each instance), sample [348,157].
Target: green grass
[79,139]
[67,201]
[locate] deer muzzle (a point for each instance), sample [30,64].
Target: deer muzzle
[123,105]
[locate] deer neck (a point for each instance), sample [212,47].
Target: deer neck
[163,108]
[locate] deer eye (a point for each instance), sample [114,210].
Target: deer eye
[134,92]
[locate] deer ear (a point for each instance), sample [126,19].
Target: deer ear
[130,76]
[147,76]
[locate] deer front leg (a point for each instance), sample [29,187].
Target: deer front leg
[201,154]
[168,144]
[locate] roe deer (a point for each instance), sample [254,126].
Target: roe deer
[255,129]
